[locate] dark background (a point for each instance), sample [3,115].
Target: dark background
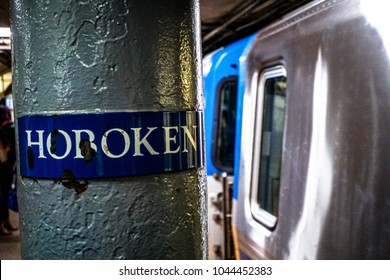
[222,21]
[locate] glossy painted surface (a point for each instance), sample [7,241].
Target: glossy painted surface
[99,56]
[334,197]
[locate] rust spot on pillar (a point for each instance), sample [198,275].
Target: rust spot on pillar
[86,150]
[69,181]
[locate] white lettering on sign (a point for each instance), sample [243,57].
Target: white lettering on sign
[189,137]
[169,139]
[143,141]
[51,145]
[39,143]
[91,138]
[105,147]
[174,138]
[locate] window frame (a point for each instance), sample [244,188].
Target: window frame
[260,215]
[216,125]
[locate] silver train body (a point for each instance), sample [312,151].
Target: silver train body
[312,170]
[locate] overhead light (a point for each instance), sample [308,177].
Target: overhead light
[5,38]
[5,32]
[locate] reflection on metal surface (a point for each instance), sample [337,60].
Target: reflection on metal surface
[334,199]
[318,190]
[378,18]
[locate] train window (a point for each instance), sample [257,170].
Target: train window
[225,124]
[268,145]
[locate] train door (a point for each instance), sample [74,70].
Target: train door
[314,160]
[221,80]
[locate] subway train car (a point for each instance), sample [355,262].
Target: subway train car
[221,71]
[305,138]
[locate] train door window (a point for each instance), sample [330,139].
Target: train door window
[225,124]
[268,145]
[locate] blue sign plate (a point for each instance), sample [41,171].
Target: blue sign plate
[110,144]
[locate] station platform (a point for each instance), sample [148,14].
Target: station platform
[10,244]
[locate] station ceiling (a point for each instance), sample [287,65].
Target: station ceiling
[222,21]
